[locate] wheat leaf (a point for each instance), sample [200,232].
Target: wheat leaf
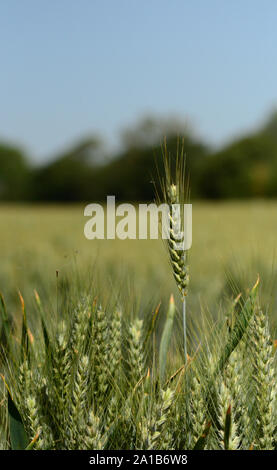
[18,436]
[166,335]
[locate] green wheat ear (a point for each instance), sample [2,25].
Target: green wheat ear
[177,256]
[175,191]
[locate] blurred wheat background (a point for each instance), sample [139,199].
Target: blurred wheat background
[233,242]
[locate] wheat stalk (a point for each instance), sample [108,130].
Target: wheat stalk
[264,379]
[175,192]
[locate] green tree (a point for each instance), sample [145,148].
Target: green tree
[243,169]
[69,177]
[14,174]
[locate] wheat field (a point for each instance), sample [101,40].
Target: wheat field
[236,239]
[95,342]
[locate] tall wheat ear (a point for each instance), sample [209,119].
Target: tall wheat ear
[173,189]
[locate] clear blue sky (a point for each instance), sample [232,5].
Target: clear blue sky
[72,67]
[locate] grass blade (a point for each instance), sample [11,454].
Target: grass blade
[227,428]
[166,335]
[18,436]
[32,443]
[202,441]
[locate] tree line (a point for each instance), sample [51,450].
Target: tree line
[243,168]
